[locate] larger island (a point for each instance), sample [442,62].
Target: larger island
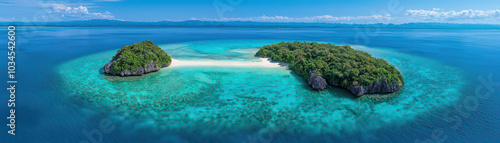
[323,64]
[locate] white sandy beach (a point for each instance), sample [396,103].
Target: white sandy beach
[263,63]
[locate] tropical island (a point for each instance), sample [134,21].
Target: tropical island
[323,64]
[138,59]
[320,64]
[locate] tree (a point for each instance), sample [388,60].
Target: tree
[137,55]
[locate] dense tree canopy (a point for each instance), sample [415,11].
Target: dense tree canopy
[339,65]
[138,55]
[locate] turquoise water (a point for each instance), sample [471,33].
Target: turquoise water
[236,50]
[210,101]
[52,105]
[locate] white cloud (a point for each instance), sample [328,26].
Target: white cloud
[434,15]
[6,19]
[324,18]
[63,12]
[463,16]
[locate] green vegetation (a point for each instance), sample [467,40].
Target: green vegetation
[138,55]
[339,65]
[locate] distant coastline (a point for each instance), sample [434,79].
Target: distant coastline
[248,24]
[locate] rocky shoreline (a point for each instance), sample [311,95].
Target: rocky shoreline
[375,87]
[148,68]
[319,83]
[316,82]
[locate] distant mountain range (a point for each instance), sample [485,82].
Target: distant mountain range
[247,24]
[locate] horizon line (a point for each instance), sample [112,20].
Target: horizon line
[276,22]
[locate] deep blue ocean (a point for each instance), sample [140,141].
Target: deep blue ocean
[46,112]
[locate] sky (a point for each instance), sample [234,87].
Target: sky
[329,11]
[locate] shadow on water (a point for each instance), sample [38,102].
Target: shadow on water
[119,79]
[380,98]
[345,93]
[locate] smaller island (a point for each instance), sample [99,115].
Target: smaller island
[326,64]
[138,59]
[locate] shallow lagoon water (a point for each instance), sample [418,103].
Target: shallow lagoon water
[211,101]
